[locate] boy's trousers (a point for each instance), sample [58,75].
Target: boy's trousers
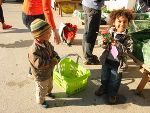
[42,89]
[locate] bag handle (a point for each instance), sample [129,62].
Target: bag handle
[68,55]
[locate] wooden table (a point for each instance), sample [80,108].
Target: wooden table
[145,72]
[61,2]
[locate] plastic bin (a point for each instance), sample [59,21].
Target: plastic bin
[71,76]
[139,40]
[141,16]
[146,54]
[139,25]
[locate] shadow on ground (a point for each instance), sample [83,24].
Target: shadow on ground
[77,42]
[16,30]
[18,44]
[86,97]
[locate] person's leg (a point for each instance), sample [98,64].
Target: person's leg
[41,91]
[50,87]
[85,32]
[1,15]
[92,22]
[25,20]
[114,84]
[4,26]
[115,80]
[105,75]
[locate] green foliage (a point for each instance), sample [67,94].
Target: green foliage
[104,9]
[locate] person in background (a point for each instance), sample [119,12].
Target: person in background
[33,9]
[114,56]
[42,59]
[4,25]
[92,17]
[143,6]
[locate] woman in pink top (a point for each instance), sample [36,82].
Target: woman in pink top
[33,9]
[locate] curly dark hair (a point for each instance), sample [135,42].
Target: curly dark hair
[120,12]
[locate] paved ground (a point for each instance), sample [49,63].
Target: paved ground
[17,92]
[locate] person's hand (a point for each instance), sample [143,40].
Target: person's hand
[103,41]
[114,42]
[56,36]
[148,9]
[54,61]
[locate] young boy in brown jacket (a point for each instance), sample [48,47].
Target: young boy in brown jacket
[42,58]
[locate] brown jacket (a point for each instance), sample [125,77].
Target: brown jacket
[41,57]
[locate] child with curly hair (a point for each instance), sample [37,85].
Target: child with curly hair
[114,57]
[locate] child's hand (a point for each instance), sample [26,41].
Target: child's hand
[114,42]
[54,61]
[103,41]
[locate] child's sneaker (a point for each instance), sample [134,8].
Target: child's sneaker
[45,104]
[100,91]
[113,99]
[51,95]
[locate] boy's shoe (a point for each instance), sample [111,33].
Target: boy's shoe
[45,104]
[7,26]
[113,99]
[51,95]
[100,91]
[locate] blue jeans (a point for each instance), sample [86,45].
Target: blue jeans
[110,79]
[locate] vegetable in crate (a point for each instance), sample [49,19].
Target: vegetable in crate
[139,25]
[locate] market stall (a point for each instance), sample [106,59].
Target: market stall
[67,6]
[140,34]
[145,72]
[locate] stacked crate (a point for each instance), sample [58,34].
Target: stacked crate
[140,34]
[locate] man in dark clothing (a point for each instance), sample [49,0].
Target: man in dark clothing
[92,21]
